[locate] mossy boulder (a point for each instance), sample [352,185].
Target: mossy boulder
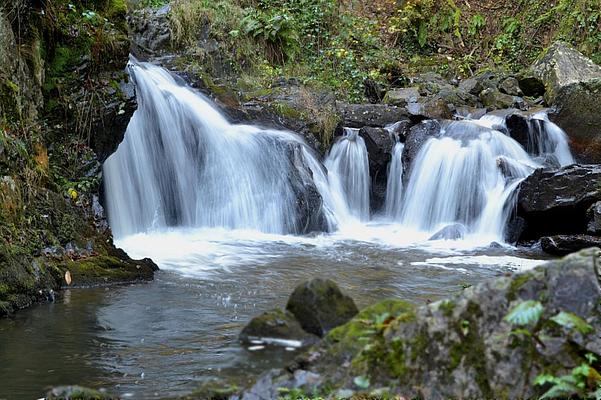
[319,306]
[465,346]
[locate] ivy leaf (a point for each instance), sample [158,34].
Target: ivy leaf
[526,313]
[572,321]
[361,382]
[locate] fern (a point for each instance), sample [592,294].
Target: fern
[525,313]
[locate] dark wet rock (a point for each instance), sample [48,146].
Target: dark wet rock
[594,218]
[531,85]
[109,129]
[492,99]
[402,96]
[379,143]
[374,115]
[573,87]
[373,91]
[511,86]
[450,232]
[150,30]
[518,127]
[320,306]
[276,324]
[78,393]
[561,245]
[418,135]
[515,229]
[556,201]
[461,347]
[309,212]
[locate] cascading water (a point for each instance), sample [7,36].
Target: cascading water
[183,164]
[348,174]
[394,184]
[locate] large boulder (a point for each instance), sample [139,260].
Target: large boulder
[276,327]
[418,135]
[493,99]
[573,87]
[490,341]
[375,115]
[402,96]
[556,201]
[320,306]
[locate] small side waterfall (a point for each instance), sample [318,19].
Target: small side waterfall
[183,164]
[394,184]
[348,174]
[548,142]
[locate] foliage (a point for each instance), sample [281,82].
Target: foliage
[525,313]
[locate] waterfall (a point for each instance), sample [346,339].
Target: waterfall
[457,178]
[548,142]
[394,184]
[183,164]
[348,175]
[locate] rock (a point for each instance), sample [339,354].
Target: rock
[472,86]
[556,201]
[573,87]
[493,99]
[276,324]
[594,218]
[464,346]
[561,245]
[563,66]
[418,135]
[379,143]
[511,86]
[400,97]
[150,30]
[309,213]
[78,393]
[518,127]
[430,108]
[530,85]
[320,306]
[515,228]
[450,232]
[576,111]
[374,115]
[373,91]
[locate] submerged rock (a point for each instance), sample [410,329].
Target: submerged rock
[561,245]
[277,324]
[467,346]
[320,306]
[573,87]
[556,201]
[450,232]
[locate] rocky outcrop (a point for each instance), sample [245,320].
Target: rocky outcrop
[418,135]
[573,87]
[320,306]
[556,201]
[491,341]
[150,30]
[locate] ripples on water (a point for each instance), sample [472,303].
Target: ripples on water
[168,336]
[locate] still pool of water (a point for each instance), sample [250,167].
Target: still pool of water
[166,337]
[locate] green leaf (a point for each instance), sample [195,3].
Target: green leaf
[361,381]
[572,321]
[543,379]
[526,313]
[422,33]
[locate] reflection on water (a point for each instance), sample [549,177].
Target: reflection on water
[166,337]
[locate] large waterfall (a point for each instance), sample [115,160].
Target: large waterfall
[183,164]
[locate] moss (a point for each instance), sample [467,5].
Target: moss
[517,283]
[447,307]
